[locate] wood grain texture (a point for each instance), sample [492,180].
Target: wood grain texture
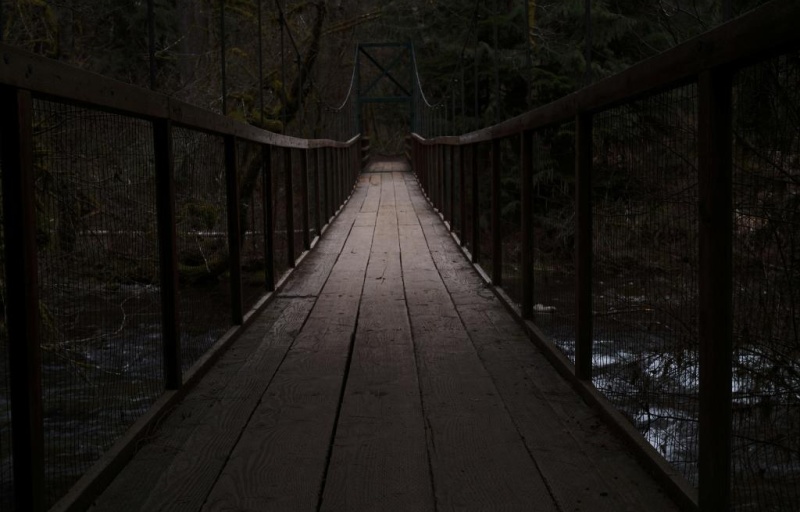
[379,458]
[478,459]
[176,468]
[564,435]
[280,459]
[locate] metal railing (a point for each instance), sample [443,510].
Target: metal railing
[647,228]
[138,233]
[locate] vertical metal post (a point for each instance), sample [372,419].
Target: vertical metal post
[526,179]
[462,172]
[234,231]
[317,192]
[289,193]
[716,289]
[497,235]
[168,252]
[583,246]
[222,51]
[269,219]
[22,284]
[326,175]
[451,185]
[441,190]
[476,210]
[305,201]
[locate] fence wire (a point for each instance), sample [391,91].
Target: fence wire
[98,277]
[766,291]
[645,286]
[511,217]
[553,161]
[6,459]
[202,241]
[251,221]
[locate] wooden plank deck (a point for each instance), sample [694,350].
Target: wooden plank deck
[384,376]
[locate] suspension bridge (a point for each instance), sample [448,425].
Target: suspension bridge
[270,322]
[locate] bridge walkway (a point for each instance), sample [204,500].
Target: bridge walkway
[385,375]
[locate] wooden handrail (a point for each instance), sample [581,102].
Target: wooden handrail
[47,78]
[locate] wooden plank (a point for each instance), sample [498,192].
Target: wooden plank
[279,461]
[379,457]
[177,467]
[206,425]
[584,465]
[478,460]
[312,275]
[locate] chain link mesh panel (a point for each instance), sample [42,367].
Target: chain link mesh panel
[645,287]
[202,244]
[766,288]
[553,160]
[98,276]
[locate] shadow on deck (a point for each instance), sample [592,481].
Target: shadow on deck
[385,375]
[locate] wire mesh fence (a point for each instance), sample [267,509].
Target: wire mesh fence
[279,198]
[645,288]
[202,241]
[98,278]
[553,162]
[251,222]
[766,291]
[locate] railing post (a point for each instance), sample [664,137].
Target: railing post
[167,252]
[305,201]
[234,232]
[476,207]
[317,193]
[289,199]
[442,190]
[526,179]
[450,185]
[326,188]
[583,246]
[497,238]
[22,284]
[716,289]
[462,172]
[269,219]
